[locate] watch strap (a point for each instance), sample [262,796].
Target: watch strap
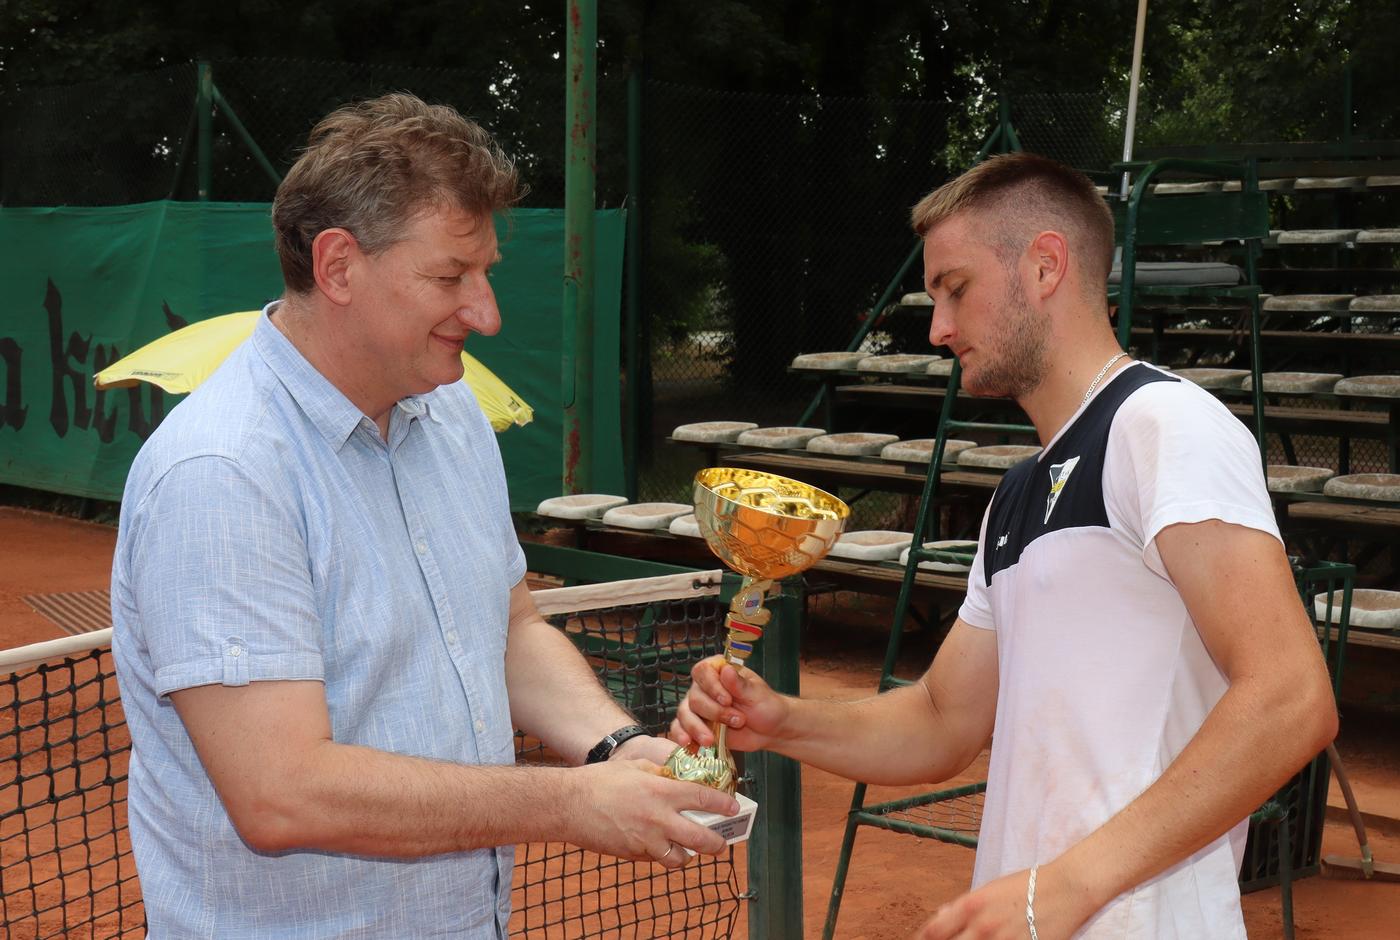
[611,742]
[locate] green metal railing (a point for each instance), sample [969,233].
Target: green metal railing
[208,101]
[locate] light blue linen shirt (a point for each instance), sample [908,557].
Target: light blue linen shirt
[269,533]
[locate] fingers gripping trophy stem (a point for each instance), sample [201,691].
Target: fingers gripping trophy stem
[744,625]
[714,766]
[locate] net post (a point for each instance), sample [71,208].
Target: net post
[775,847]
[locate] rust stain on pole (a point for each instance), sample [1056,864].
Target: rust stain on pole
[579,196]
[572,453]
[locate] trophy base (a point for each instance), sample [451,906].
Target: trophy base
[734,828]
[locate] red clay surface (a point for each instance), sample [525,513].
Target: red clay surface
[896,881]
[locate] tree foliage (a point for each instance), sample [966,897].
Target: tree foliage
[1214,70]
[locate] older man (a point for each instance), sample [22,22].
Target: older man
[1131,641]
[322,627]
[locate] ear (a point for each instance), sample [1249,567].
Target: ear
[331,254]
[1049,258]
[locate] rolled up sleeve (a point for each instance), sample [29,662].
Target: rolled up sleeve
[223,581]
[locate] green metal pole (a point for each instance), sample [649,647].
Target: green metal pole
[247,138]
[204,108]
[1013,142]
[1256,344]
[580,149]
[633,452]
[775,846]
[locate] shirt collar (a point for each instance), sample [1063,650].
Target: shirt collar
[417,406]
[329,410]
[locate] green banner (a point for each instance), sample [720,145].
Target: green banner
[80,288]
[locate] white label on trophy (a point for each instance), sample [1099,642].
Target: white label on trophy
[734,828]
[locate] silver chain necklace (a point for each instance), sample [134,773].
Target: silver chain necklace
[1099,378]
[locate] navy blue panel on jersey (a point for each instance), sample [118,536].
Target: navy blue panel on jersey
[1063,488]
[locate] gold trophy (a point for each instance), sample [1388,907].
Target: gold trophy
[765,527]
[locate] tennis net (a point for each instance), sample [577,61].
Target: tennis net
[66,868]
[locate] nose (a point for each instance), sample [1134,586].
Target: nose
[940,327]
[480,313]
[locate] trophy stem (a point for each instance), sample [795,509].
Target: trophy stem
[744,626]
[714,766]
[746,619]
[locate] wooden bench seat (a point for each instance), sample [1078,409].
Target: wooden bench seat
[1286,419]
[1291,161]
[832,472]
[1292,280]
[1226,315]
[1322,421]
[661,547]
[1370,424]
[1338,518]
[917,397]
[1359,637]
[885,579]
[1381,343]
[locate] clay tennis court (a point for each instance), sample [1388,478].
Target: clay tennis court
[895,880]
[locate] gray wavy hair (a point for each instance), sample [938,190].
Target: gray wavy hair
[373,166]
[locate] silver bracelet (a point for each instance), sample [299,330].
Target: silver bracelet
[1030,902]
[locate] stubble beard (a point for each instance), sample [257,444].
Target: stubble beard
[1016,363]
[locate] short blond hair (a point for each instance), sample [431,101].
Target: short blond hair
[1018,195]
[372,166]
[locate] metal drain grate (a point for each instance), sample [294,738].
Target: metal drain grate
[75,612]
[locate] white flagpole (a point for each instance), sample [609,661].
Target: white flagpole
[1133,91]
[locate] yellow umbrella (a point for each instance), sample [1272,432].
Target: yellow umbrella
[179,361]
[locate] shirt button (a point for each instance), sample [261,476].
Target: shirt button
[480,725]
[235,651]
[452,636]
[421,547]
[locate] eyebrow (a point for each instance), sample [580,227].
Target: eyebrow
[458,262]
[938,278]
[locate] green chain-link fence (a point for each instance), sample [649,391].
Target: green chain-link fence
[773,224]
[135,138]
[769,224]
[99,143]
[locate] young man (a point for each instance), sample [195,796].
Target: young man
[322,627]
[1131,640]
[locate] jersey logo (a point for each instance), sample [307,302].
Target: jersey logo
[1001,540]
[1059,476]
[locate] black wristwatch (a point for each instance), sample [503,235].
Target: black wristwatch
[611,742]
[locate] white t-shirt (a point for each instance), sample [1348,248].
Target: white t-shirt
[1103,676]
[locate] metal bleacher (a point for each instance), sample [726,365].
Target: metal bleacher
[1288,314]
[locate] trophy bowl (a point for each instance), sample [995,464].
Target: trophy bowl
[763,525]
